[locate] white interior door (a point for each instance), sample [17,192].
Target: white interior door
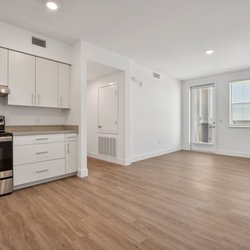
[203,123]
[108,109]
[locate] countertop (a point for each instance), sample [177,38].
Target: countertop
[40,130]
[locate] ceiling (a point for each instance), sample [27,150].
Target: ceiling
[97,71]
[170,36]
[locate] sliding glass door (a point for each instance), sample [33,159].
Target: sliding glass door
[203,118]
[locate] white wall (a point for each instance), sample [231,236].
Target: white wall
[230,141]
[155,114]
[19,39]
[106,57]
[152,113]
[74,113]
[30,115]
[77,115]
[92,97]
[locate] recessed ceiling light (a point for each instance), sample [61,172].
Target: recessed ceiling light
[52,5]
[209,52]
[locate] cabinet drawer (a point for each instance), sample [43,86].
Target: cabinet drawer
[71,137]
[39,152]
[37,139]
[38,171]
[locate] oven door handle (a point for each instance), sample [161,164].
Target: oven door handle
[5,138]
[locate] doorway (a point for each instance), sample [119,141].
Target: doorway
[105,112]
[203,122]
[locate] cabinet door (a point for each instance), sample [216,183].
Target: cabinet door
[21,79]
[46,83]
[108,108]
[63,85]
[3,67]
[71,157]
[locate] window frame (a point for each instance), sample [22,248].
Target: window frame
[231,125]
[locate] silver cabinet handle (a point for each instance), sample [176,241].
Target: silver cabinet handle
[32,99]
[38,97]
[71,137]
[42,139]
[42,171]
[42,153]
[60,101]
[68,148]
[5,139]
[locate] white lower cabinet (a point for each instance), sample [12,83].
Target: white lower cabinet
[38,158]
[71,153]
[38,171]
[38,152]
[38,139]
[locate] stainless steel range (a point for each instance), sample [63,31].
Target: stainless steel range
[6,159]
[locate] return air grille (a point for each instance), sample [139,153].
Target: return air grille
[107,146]
[38,42]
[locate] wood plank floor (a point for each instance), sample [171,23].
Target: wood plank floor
[183,200]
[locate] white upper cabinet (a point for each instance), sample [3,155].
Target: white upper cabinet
[108,108]
[34,81]
[3,66]
[46,83]
[21,79]
[63,85]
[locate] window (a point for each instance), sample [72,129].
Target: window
[240,103]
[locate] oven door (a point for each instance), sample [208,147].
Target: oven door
[6,156]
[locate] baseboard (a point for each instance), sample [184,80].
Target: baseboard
[233,153]
[159,153]
[223,152]
[155,154]
[109,159]
[34,183]
[185,147]
[82,172]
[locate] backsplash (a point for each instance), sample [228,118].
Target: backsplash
[17,115]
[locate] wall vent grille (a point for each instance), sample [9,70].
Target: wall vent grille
[107,146]
[157,75]
[38,42]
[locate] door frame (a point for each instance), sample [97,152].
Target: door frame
[203,147]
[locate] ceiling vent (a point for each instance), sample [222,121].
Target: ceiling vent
[38,42]
[156,75]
